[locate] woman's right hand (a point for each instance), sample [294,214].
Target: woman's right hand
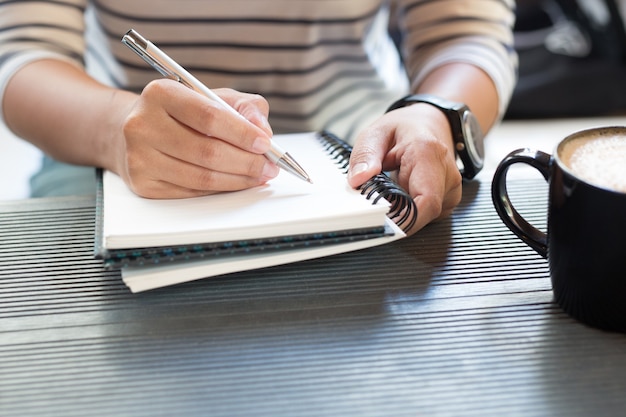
[177,143]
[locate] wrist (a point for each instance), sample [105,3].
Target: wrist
[465,130]
[430,119]
[111,144]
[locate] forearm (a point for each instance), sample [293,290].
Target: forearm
[67,114]
[467,84]
[462,50]
[168,142]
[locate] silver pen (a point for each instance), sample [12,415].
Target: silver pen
[171,69]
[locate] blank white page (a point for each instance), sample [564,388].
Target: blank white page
[285,206]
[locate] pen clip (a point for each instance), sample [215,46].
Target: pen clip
[139,45]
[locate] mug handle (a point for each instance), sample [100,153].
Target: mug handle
[529,234]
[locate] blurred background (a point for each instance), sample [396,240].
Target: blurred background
[572,59]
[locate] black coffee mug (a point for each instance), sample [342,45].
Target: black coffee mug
[585,243]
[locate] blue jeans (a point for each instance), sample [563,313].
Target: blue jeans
[55,178]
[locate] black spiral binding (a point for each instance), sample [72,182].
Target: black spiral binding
[403,210]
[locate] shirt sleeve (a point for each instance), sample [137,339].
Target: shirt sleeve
[478,32]
[39,30]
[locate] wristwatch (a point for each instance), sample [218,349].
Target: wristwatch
[466,132]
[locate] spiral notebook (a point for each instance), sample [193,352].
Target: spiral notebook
[156,243]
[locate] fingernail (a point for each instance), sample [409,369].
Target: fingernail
[358,168]
[261,144]
[270,171]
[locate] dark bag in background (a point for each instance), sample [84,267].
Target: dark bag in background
[572,59]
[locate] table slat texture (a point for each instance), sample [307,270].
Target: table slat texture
[456,320]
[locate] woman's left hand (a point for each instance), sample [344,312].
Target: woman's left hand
[415,144]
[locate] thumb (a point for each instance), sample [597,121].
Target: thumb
[365,162]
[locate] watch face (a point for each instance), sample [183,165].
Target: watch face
[474,139]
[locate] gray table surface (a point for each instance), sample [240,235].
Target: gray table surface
[457,320]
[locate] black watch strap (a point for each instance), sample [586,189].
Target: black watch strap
[447,106]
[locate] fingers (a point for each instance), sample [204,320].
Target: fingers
[178,179]
[211,153]
[181,144]
[252,107]
[429,173]
[419,152]
[212,119]
[369,151]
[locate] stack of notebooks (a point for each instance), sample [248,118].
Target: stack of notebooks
[157,243]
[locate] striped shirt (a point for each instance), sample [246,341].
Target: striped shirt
[321,64]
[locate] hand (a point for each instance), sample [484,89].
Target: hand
[415,143]
[177,143]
